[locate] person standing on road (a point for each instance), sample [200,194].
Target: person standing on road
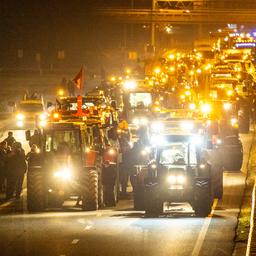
[35,139]
[3,153]
[16,169]
[10,139]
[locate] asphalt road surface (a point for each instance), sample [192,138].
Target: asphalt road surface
[122,231]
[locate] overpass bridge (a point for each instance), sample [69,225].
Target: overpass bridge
[181,16]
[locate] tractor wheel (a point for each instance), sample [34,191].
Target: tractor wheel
[202,198]
[35,191]
[90,190]
[138,198]
[153,202]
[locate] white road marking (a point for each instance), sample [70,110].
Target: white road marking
[75,241]
[88,227]
[5,204]
[203,231]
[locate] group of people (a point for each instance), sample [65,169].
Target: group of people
[12,167]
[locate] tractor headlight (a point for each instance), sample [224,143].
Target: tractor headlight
[227,106]
[43,117]
[20,117]
[206,108]
[136,121]
[64,174]
[157,127]
[143,121]
[234,122]
[187,126]
[176,179]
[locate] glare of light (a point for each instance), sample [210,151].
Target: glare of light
[43,116]
[143,121]
[130,84]
[227,106]
[199,71]
[56,115]
[157,140]
[187,126]
[196,140]
[191,72]
[144,152]
[171,56]
[171,179]
[192,106]
[182,96]
[153,166]
[64,174]
[61,92]
[172,68]
[20,116]
[229,92]
[20,123]
[42,123]
[158,126]
[113,78]
[157,70]
[87,150]
[128,71]
[201,166]
[111,151]
[206,108]
[234,121]
[181,179]
[188,93]
[136,121]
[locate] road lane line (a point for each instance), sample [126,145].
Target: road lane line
[203,231]
[5,204]
[75,241]
[248,249]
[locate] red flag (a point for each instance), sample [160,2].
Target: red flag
[79,79]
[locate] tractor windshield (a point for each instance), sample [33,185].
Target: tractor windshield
[140,100]
[62,141]
[178,154]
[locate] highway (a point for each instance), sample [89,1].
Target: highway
[120,230]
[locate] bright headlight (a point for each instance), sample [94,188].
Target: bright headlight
[64,174]
[206,108]
[157,140]
[158,127]
[181,179]
[192,106]
[143,121]
[42,123]
[20,117]
[136,121]
[234,121]
[196,140]
[130,84]
[187,126]
[171,179]
[176,179]
[43,117]
[227,106]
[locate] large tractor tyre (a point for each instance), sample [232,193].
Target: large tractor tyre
[35,191]
[138,199]
[100,196]
[202,204]
[89,188]
[152,201]
[218,192]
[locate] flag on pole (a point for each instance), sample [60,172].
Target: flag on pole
[79,79]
